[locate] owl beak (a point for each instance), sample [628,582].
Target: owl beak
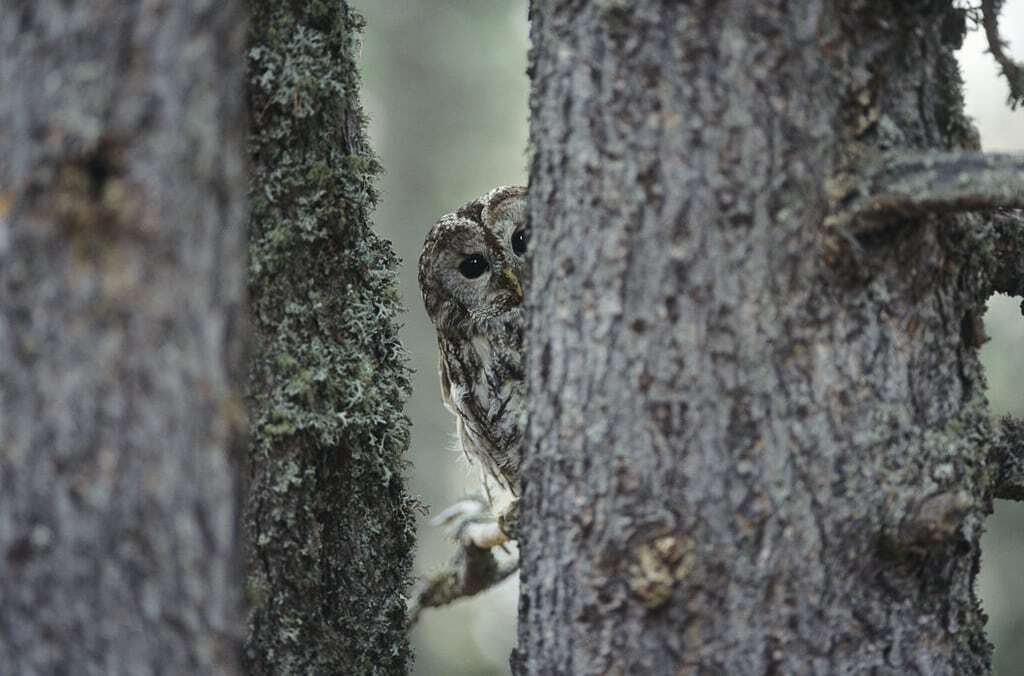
[513,283]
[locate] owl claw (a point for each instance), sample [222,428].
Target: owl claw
[471,521]
[508,521]
[484,534]
[476,567]
[467,508]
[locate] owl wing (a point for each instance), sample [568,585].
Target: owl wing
[446,382]
[468,440]
[485,396]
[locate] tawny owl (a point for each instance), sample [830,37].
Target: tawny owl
[472,274]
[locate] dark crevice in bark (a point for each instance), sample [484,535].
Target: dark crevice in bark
[931,520]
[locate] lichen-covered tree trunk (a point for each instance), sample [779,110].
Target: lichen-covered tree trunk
[122,210]
[328,519]
[758,437]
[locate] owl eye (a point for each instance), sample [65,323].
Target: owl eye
[520,238]
[473,265]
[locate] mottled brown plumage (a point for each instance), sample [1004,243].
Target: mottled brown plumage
[472,274]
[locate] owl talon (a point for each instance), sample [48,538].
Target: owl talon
[471,522]
[485,531]
[467,508]
[483,534]
[475,567]
[508,521]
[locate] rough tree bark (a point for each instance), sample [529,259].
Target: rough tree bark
[328,518]
[122,206]
[758,439]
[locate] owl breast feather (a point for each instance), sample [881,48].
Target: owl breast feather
[487,395]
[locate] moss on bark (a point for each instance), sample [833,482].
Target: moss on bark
[328,517]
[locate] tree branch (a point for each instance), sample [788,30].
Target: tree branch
[902,185]
[1009,459]
[472,571]
[1013,71]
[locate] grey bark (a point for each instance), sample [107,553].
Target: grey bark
[328,519]
[1009,460]
[122,202]
[758,437]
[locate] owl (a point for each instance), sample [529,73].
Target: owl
[473,274]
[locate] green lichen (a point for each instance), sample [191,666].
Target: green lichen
[329,520]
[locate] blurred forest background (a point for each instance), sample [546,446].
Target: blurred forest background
[444,83]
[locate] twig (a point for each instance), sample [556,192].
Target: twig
[1012,70]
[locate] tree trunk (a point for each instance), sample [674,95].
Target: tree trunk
[122,202]
[758,437]
[328,518]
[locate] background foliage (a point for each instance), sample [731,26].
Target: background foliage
[444,82]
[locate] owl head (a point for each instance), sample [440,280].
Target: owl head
[473,266]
